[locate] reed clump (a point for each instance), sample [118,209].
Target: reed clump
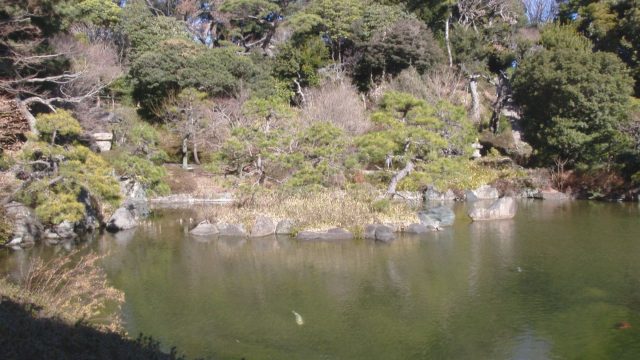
[73,288]
[318,209]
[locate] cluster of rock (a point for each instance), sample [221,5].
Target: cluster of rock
[432,219]
[27,229]
[485,204]
[262,226]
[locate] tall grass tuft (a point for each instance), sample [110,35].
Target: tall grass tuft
[74,288]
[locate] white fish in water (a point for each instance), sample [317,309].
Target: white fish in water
[299,319]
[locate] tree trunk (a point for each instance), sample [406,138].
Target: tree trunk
[408,168]
[447,40]
[185,152]
[501,97]
[303,99]
[27,115]
[475,99]
[195,152]
[53,136]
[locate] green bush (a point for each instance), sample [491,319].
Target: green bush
[57,206]
[61,122]
[381,205]
[5,162]
[574,101]
[455,174]
[411,129]
[144,171]
[56,196]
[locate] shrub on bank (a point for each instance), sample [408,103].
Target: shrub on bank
[455,174]
[142,170]
[67,176]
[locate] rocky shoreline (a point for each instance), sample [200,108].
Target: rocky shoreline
[487,203]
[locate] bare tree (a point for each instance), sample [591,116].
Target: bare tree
[540,11]
[486,13]
[185,114]
[338,103]
[30,78]
[443,83]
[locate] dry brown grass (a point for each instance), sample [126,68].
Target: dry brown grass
[338,103]
[8,183]
[74,288]
[195,182]
[319,210]
[437,85]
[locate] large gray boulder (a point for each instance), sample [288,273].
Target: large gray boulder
[484,192]
[263,226]
[231,230]
[379,232]
[336,234]
[285,227]
[503,208]
[26,229]
[135,199]
[103,141]
[65,230]
[437,216]
[417,229]
[133,208]
[122,219]
[204,229]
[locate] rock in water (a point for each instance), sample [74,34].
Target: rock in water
[329,235]
[122,219]
[551,194]
[263,226]
[204,229]
[385,234]
[231,230]
[437,216]
[503,208]
[484,192]
[379,232]
[26,227]
[65,230]
[285,227]
[419,229]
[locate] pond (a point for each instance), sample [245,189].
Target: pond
[553,283]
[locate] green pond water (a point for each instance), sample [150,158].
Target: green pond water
[550,284]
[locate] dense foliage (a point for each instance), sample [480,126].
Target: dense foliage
[314,93]
[574,101]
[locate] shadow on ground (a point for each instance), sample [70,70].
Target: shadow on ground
[24,335]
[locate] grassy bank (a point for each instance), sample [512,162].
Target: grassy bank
[65,309]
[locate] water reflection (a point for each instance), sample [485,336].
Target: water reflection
[550,283]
